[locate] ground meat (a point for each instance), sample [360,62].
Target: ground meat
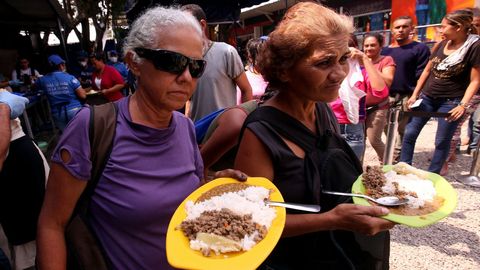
[374,179]
[224,223]
[221,189]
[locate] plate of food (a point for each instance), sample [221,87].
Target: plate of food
[92,92]
[430,197]
[225,224]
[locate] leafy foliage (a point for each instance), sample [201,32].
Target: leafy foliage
[100,12]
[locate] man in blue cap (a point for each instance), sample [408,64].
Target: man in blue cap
[118,65]
[83,70]
[63,91]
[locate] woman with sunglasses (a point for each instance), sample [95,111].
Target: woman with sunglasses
[447,85]
[293,140]
[155,162]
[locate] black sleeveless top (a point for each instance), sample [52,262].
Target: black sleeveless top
[293,177]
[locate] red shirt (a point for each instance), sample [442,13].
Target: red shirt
[110,77]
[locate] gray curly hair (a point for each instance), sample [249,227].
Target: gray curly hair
[148,29]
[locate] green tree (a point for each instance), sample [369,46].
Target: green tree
[101,12]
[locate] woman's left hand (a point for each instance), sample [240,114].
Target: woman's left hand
[357,55]
[236,174]
[456,113]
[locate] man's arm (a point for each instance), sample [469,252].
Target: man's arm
[5,132]
[422,60]
[81,93]
[244,86]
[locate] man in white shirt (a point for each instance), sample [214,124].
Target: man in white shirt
[24,69]
[216,89]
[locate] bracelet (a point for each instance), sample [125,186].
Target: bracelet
[462,104]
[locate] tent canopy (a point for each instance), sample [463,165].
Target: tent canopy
[31,15]
[217,11]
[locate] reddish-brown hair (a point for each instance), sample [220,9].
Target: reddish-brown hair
[305,26]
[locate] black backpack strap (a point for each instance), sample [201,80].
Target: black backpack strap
[318,147]
[326,115]
[84,250]
[291,129]
[102,125]
[287,126]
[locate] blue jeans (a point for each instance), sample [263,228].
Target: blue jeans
[443,136]
[474,129]
[61,120]
[354,134]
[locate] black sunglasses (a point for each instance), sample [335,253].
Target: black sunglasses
[173,62]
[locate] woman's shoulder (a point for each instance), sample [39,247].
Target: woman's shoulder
[438,47]
[476,44]
[182,119]
[82,118]
[110,69]
[386,61]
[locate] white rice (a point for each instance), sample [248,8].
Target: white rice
[243,202]
[410,183]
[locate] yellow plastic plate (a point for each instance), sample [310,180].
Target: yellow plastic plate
[180,255]
[443,188]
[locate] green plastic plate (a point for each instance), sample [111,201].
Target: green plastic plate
[443,188]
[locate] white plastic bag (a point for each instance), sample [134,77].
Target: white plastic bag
[350,95]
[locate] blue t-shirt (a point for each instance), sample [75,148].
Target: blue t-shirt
[60,88]
[84,74]
[121,68]
[149,173]
[410,59]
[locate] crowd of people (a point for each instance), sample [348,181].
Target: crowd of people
[297,113]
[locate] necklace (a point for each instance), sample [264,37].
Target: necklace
[207,47]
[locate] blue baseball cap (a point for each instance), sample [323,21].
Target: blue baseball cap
[112,53]
[55,60]
[82,55]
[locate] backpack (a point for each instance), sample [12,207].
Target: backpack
[84,250]
[202,125]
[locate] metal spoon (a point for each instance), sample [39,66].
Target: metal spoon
[298,206]
[386,201]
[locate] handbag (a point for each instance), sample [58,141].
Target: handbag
[84,250]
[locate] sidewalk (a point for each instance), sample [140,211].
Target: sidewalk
[452,243]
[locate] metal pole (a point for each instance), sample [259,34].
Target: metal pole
[393,114]
[63,41]
[472,179]
[28,126]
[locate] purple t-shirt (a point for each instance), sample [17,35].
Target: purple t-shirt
[149,173]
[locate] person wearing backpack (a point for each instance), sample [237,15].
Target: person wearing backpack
[154,162]
[293,140]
